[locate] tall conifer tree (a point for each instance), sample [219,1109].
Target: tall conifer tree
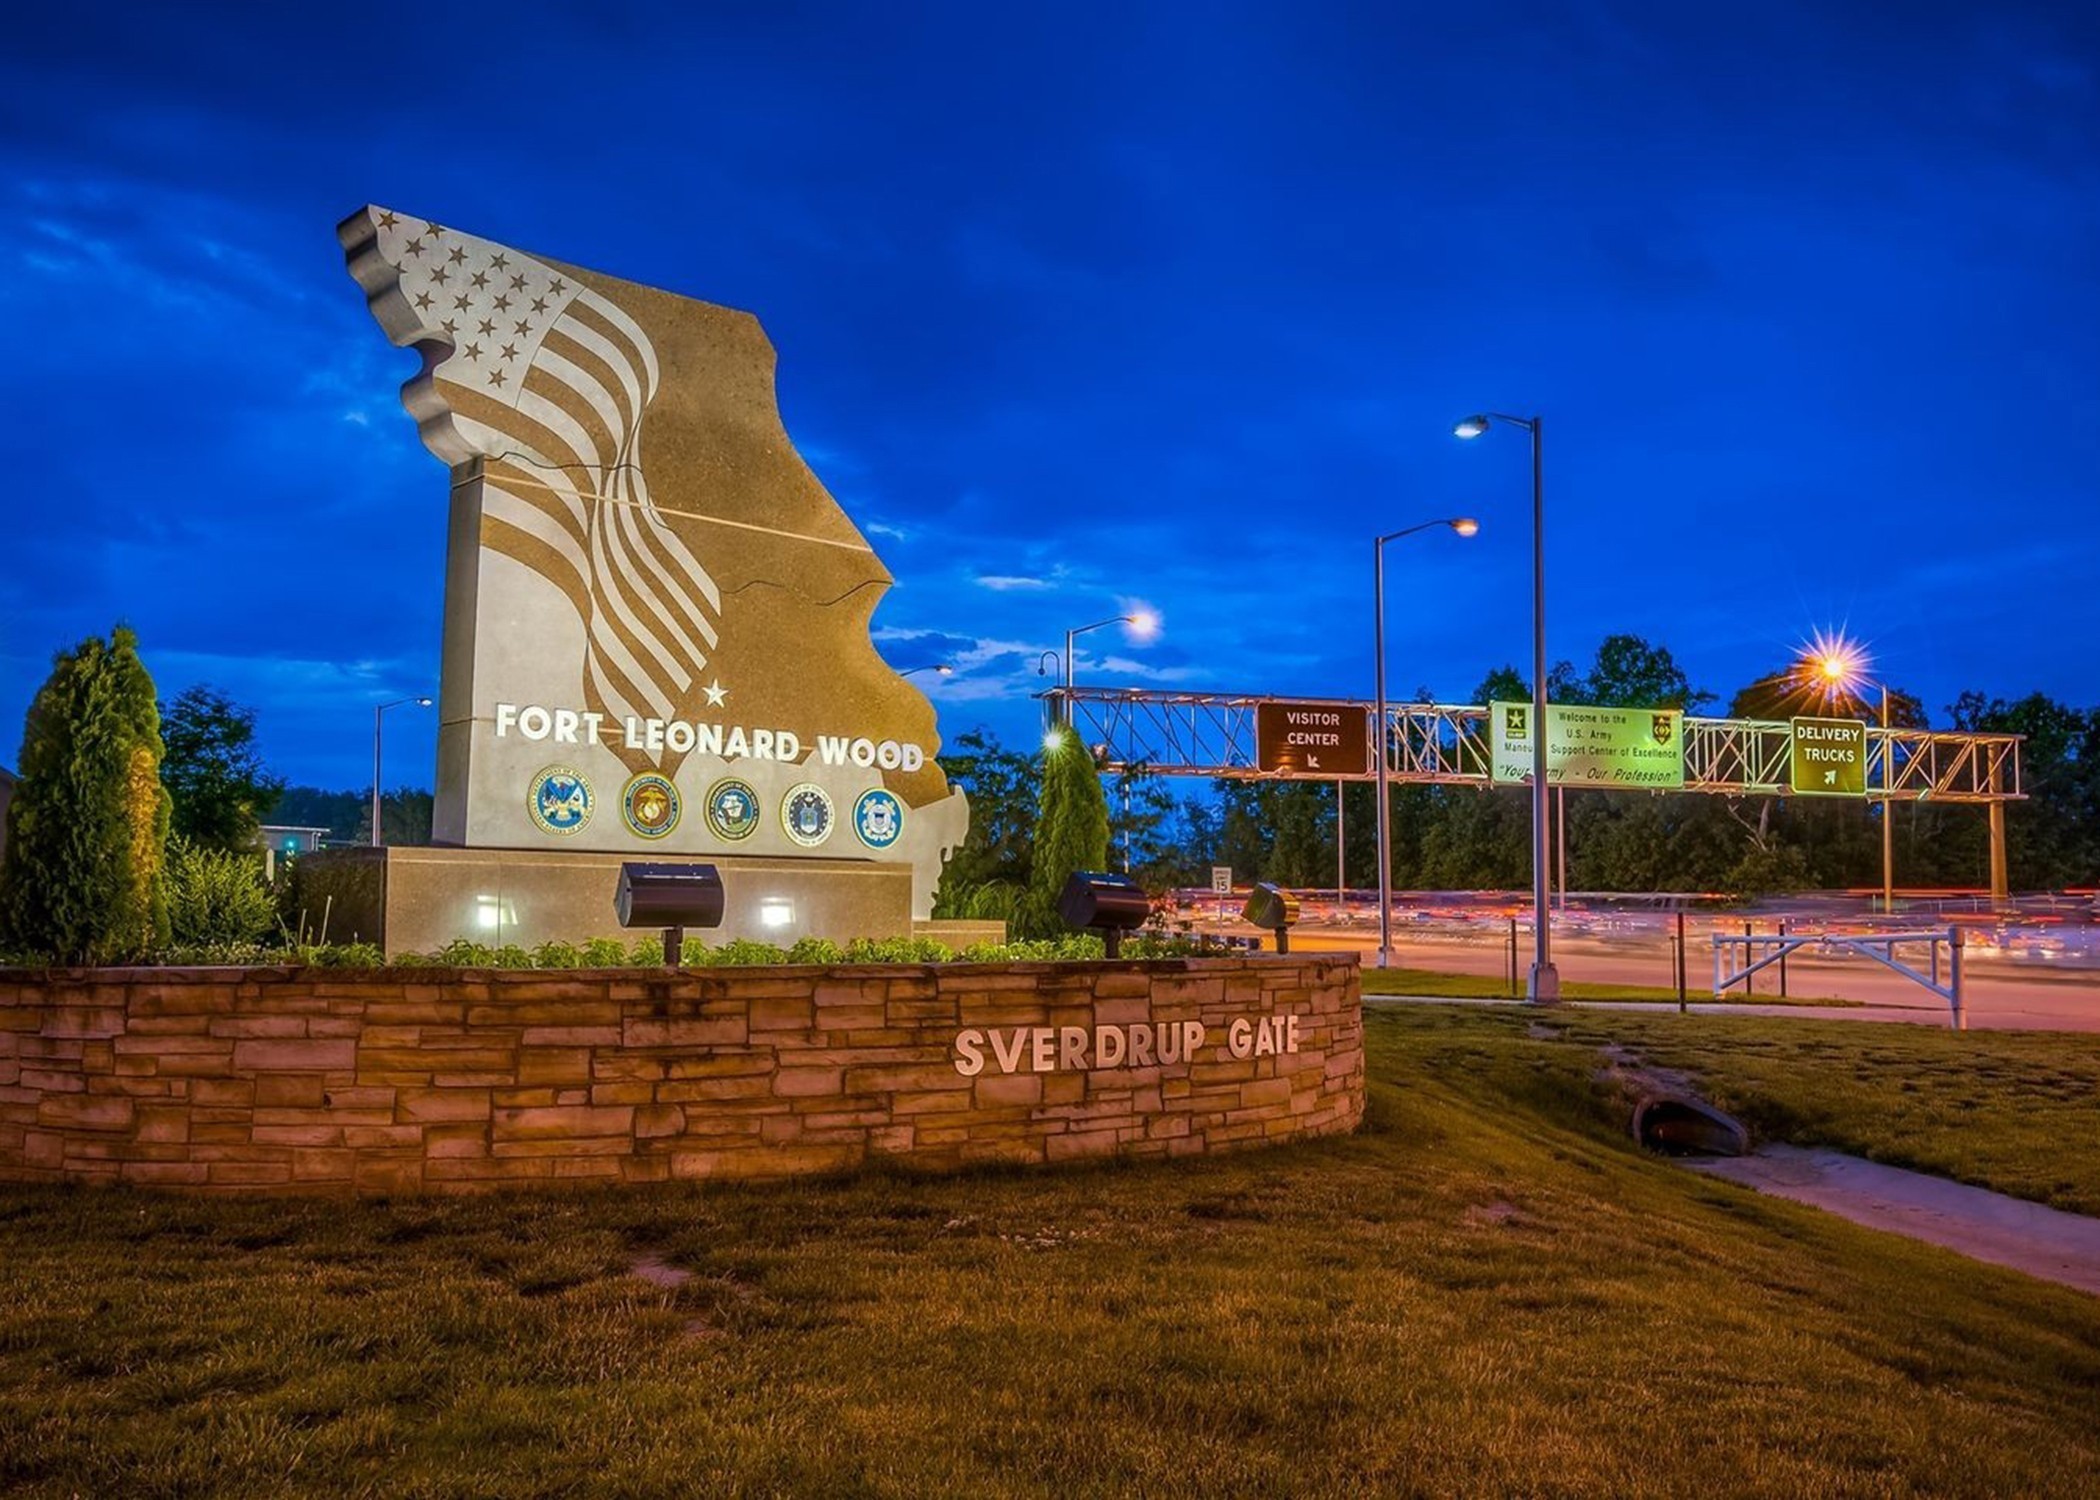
[88,828]
[1071,830]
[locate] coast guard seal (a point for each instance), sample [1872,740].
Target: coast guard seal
[878,818]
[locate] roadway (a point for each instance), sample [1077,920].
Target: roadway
[1998,992]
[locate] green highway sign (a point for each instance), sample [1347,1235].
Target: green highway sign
[1829,757]
[1588,746]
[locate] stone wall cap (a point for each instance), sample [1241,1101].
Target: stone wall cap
[434,973]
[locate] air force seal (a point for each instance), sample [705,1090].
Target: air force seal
[878,818]
[806,814]
[732,809]
[650,805]
[560,800]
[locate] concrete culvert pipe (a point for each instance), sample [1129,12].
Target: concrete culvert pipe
[1678,1125]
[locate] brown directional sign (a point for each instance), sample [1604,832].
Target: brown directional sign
[1312,739]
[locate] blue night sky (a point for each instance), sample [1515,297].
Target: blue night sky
[1089,306]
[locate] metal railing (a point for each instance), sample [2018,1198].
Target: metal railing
[1736,959]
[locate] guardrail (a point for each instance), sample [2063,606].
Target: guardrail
[1736,958]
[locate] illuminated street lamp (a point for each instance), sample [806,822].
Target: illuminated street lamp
[938,668]
[1464,526]
[1143,623]
[1841,668]
[378,715]
[1545,980]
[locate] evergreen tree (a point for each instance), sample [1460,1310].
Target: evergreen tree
[88,829]
[987,875]
[213,771]
[1071,830]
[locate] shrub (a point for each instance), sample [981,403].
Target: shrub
[741,952]
[816,950]
[216,896]
[556,955]
[88,828]
[605,953]
[348,956]
[898,951]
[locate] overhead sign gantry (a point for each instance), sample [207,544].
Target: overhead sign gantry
[1219,735]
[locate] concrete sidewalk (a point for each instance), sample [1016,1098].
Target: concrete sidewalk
[1980,1224]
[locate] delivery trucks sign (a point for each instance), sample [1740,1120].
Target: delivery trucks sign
[1829,757]
[1585,746]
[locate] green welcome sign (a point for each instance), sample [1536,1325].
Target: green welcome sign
[1829,757]
[1589,746]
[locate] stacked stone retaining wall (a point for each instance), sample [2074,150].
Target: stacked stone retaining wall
[427,1080]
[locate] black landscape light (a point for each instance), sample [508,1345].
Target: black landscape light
[1110,904]
[1275,908]
[673,897]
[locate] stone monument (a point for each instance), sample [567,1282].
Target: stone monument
[656,617]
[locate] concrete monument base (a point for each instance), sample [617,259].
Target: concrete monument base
[416,900]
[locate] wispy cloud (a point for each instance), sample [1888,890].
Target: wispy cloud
[1006,583]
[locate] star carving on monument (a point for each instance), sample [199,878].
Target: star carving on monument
[387,219]
[524,328]
[413,247]
[424,299]
[510,351]
[558,287]
[500,261]
[459,253]
[462,301]
[440,275]
[434,228]
[502,302]
[495,377]
[488,326]
[517,283]
[450,327]
[481,278]
[472,351]
[539,304]
[715,693]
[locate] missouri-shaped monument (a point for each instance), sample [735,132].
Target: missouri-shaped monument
[656,618]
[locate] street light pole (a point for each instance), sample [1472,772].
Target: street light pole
[378,717]
[1888,822]
[1545,979]
[1144,622]
[1464,526]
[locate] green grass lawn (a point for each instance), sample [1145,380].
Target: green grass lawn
[1488,1290]
[2010,1110]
